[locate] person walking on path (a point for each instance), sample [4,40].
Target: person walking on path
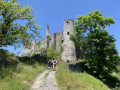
[54,64]
[49,64]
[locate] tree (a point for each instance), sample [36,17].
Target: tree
[11,31]
[101,55]
[51,53]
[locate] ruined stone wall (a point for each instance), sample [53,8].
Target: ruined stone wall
[69,49]
[32,47]
[28,51]
[43,43]
[59,37]
[52,40]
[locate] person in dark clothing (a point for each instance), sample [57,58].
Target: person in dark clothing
[49,64]
[52,63]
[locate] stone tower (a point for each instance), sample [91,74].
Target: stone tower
[47,36]
[47,31]
[69,49]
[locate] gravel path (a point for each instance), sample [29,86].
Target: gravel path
[46,81]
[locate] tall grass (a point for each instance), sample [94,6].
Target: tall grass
[19,77]
[18,73]
[77,81]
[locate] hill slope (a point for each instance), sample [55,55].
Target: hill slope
[77,81]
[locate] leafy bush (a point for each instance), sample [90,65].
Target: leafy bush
[52,54]
[49,55]
[5,54]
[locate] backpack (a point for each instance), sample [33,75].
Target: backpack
[55,61]
[49,61]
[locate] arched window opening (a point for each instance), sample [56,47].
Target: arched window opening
[67,22]
[62,41]
[67,33]
[67,61]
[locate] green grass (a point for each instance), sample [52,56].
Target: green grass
[18,73]
[77,81]
[117,78]
[116,75]
[19,77]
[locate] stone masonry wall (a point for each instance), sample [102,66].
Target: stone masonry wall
[59,37]
[69,49]
[43,43]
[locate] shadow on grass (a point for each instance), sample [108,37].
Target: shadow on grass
[76,67]
[8,63]
[111,81]
[7,67]
[31,60]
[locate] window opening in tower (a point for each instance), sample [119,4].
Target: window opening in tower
[67,33]
[67,22]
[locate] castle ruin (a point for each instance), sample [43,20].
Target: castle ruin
[69,49]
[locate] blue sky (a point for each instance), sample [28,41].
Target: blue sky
[53,12]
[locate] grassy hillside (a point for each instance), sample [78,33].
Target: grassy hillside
[19,78]
[77,81]
[16,74]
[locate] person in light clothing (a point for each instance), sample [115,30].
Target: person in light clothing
[54,64]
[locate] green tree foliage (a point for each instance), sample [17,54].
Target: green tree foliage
[101,55]
[51,53]
[11,31]
[5,54]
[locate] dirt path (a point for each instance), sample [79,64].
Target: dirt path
[46,81]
